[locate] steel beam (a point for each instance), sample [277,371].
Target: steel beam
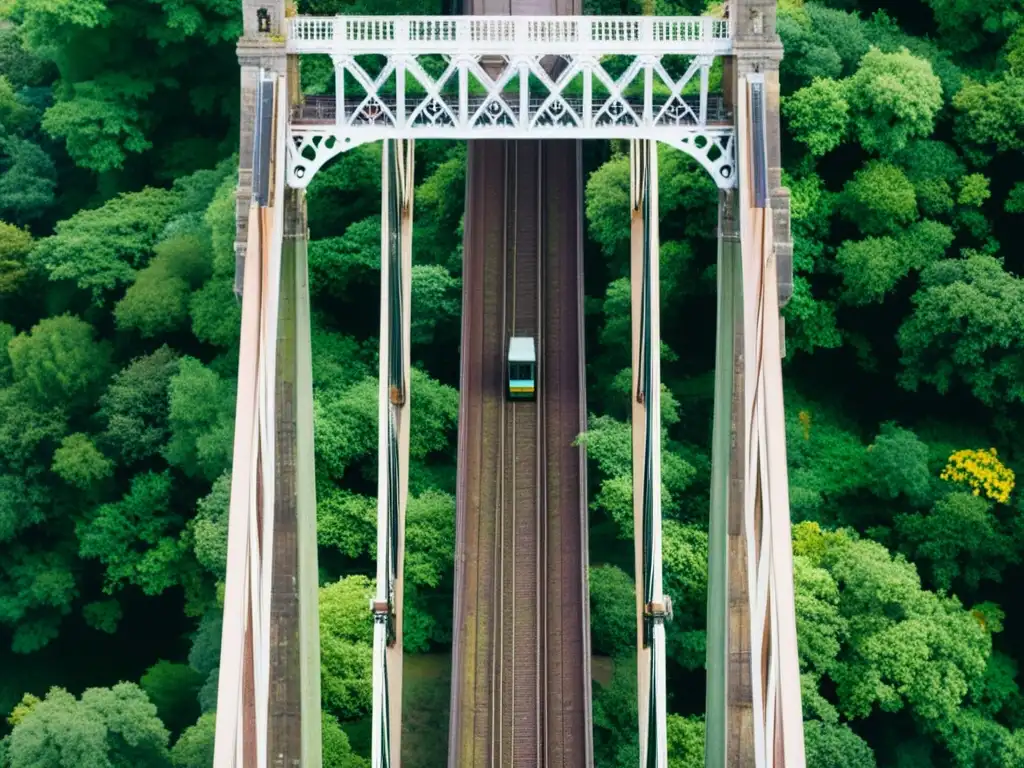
[393,457]
[646,429]
[729,734]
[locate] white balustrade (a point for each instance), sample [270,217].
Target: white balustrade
[505,35]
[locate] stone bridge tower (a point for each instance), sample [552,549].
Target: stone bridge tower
[732,738]
[268,704]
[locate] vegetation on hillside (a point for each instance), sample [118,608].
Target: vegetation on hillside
[903,129]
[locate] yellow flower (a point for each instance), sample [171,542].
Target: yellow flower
[982,471]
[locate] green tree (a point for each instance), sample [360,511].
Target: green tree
[835,746]
[435,300]
[968,317]
[347,265]
[607,208]
[685,553]
[345,520]
[103,121]
[115,727]
[111,103]
[974,190]
[216,313]
[966,26]
[15,246]
[136,538]
[905,647]
[103,615]
[821,631]
[99,249]
[201,420]
[818,115]
[898,465]
[990,117]
[135,407]
[429,538]
[37,588]
[60,362]
[933,167]
[346,677]
[210,527]
[685,741]
[337,752]
[612,611]
[78,462]
[172,688]
[28,178]
[961,541]
[873,266]
[440,205]
[616,743]
[879,199]
[346,632]
[893,97]
[194,748]
[346,422]
[158,301]
[347,190]
[204,656]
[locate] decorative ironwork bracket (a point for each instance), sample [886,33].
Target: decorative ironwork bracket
[513,78]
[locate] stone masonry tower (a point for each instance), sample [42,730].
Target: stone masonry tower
[260,48]
[757,48]
[268,710]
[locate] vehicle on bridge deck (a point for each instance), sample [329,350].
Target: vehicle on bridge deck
[522,368]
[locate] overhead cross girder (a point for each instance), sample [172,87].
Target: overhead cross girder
[644,78]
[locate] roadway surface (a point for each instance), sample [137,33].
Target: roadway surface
[521,649]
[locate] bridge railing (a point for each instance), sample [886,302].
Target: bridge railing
[597,35]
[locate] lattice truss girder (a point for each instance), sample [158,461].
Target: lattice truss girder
[654,96]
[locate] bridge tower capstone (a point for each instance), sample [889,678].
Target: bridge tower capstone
[260,49]
[757,48]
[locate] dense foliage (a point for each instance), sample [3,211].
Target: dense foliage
[903,139]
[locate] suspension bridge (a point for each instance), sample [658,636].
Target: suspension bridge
[524,82]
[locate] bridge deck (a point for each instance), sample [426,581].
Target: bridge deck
[321,110]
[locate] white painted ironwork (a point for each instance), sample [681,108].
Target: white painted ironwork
[513,78]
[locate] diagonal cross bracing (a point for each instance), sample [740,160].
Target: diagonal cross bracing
[774,668]
[268,692]
[617,82]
